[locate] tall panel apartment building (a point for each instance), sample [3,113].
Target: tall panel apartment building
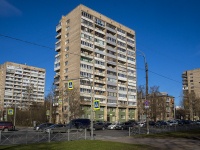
[191,81]
[91,45]
[17,81]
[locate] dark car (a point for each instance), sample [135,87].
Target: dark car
[79,123]
[98,126]
[129,124]
[6,126]
[160,123]
[42,126]
[56,128]
[120,126]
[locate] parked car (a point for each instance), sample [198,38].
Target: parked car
[6,126]
[106,124]
[198,122]
[98,126]
[161,123]
[129,124]
[172,122]
[141,124]
[79,123]
[56,128]
[120,126]
[112,126]
[42,126]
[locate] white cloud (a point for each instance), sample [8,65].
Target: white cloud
[7,9]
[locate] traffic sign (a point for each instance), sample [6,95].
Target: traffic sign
[96,105]
[70,85]
[10,112]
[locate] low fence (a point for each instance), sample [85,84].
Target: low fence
[161,129]
[27,137]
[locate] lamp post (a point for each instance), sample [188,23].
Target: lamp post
[146,73]
[15,115]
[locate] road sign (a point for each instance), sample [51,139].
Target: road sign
[10,112]
[70,85]
[96,105]
[146,104]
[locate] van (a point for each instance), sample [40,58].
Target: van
[6,126]
[79,123]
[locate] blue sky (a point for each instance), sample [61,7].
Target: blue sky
[167,31]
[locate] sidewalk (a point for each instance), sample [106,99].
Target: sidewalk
[161,144]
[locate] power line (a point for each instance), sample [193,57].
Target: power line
[36,44]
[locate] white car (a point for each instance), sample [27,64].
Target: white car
[111,127]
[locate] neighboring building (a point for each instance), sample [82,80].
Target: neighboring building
[191,81]
[21,85]
[191,93]
[161,107]
[90,45]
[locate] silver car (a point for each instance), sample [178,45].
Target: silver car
[56,128]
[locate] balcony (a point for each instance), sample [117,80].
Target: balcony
[57,48]
[99,73]
[57,68]
[122,59]
[110,48]
[111,29]
[112,43]
[58,27]
[111,83]
[111,55]
[99,88]
[111,69]
[58,36]
[122,98]
[99,66]
[99,51]
[99,81]
[86,55]
[122,78]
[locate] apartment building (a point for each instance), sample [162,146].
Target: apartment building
[161,106]
[21,85]
[191,93]
[191,81]
[98,53]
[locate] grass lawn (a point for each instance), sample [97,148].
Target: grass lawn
[79,145]
[191,134]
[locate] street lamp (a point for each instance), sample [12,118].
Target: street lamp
[146,72]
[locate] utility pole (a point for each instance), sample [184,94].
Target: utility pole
[147,87]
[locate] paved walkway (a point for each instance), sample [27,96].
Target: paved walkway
[159,144]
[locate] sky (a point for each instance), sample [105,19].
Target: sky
[167,32]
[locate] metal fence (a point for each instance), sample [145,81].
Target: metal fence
[27,137]
[162,129]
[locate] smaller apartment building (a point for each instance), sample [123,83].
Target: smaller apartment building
[21,85]
[161,107]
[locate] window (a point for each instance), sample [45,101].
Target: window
[67,28]
[87,15]
[99,62]
[121,37]
[121,43]
[66,63]
[99,41]
[99,22]
[113,94]
[86,44]
[112,80]
[67,48]
[85,36]
[66,56]
[87,22]
[120,30]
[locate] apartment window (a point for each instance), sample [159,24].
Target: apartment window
[87,15]
[68,21]
[112,80]
[130,58]
[67,35]
[191,80]
[120,30]
[131,96]
[110,26]
[99,41]
[130,41]
[130,53]
[99,62]
[87,22]
[85,36]
[122,56]
[122,75]
[85,74]
[66,56]
[113,94]
[123,95]
[66,63]
[111,87]
[86,66]
[67,41]
[131,90]
[122,88]
[67,28]
[67,48]
[111,39]
[100,116]
[121,49]
[121,43]
[83,90]
[99,22]
[122,117]
[121,37]
[66,77]
[87,44]
[130,47]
